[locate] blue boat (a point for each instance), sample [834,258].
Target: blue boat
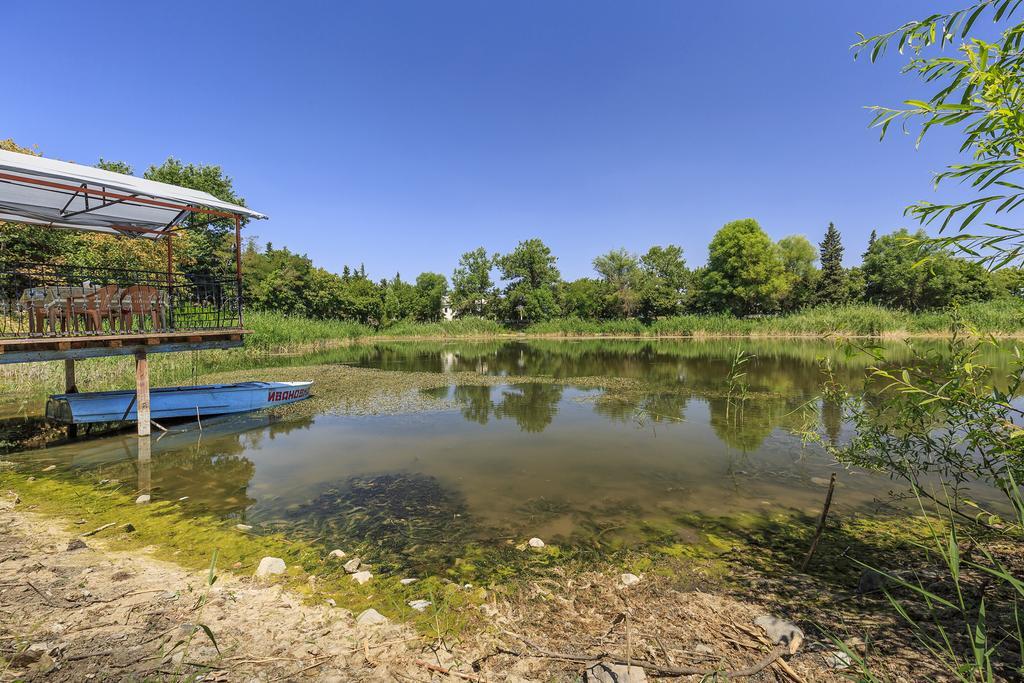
[170,402]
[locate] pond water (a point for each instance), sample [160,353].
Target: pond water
[571,464]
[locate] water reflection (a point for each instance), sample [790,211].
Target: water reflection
[663,441]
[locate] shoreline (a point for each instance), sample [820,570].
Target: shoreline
[895,336]
[84,589]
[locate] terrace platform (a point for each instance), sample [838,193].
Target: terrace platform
[56,310]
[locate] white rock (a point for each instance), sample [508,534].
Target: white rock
[243,527]
[336,554]
[535,543]
[362,577]
[420,605]
[143,499]
[371,617]
[407,582]
[629,579]
[269,566]
[781,632]
[352,566]
[51,468]
[606,672]
[837,660]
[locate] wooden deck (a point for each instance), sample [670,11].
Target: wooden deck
[71,348]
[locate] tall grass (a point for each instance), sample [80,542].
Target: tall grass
[276,331]
[997,317]
[463,327]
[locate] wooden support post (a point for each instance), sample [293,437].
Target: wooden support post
[145,466]
[70,387]
[142,392]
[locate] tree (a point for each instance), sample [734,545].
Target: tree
[472,287]
[798,257]
[206,249]
[400,300]
[981,91]
[831,284]
[431,289]
[904,270]
[665,281]
[116,166]
[744,273]
[532,277]
[621,271]
[360,300]
[585,298]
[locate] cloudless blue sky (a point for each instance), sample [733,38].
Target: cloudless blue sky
[400,134]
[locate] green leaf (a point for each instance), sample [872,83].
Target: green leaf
[209,634]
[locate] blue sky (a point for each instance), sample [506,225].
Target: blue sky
[400,134]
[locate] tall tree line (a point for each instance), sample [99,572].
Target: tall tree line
[746,273]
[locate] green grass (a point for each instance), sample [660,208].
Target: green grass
[997,317]
[463,327]
[1004,316]
[277,331]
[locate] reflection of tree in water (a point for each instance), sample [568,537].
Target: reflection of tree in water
[662,406]
[745,424]
[475,402]
[533,406]
[408,521]
[832,420]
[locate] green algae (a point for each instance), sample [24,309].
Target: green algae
[165,531]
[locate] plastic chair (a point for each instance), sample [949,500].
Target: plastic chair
[142,301]
[104,304]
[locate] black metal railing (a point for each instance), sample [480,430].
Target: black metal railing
[43,300]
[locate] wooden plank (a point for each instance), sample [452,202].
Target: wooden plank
[39,355]
[233,334]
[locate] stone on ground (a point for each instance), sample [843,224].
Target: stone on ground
[352,566]
[269,566]
[336,554]
[605,672]
[535,543]
[629,579]
[371,617]
[362,577]
[407,582]
[420,605]
[143,499]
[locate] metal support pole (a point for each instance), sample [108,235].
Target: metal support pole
[70,387]
[169,313]
[142,392]
[238,266]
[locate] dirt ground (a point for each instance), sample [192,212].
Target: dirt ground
[89,613]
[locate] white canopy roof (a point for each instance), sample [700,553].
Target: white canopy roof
[60,194]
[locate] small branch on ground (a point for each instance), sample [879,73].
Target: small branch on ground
[821,522]
[653,667]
